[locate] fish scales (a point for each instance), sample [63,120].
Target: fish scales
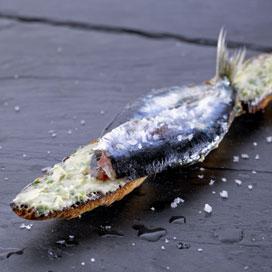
[171,127]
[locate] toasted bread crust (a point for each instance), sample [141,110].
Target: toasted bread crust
[73,212]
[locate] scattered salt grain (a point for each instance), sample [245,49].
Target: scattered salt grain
[92,260]
[244,156]
[102,112]
[236,158]
[70,131]
[213,192]
[26,226]
[224,194]
[133,244]
[6,178]
[202,169]
[200,249]
[59,49]
[166,240]
[83,263]
[269,139]
[48,151]
[17,108]
[208,208]
[257,157]
[255,143]
[53,135]
[83,122]
[174,238]
[176,202]
[224,179]
[152,209]
[167,267]
[200,176]
[212,181]
[140,146]
[254,172]
[24,155]
[238,182]
[162,247]
[250,187]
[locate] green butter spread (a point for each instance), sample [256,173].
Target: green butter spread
[254,80]
[66,184]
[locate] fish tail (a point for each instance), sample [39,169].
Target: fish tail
[227,64]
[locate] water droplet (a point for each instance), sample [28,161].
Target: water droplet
[102,112]
[6,179]
[147,234]
[177,219]
[108,232]
[182,245]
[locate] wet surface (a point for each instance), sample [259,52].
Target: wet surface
[53,79]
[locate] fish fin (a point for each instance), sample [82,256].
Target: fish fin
[227,65]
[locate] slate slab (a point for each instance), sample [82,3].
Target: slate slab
[58,77]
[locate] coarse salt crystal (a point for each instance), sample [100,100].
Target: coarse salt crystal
[207,208]
[238,182]
[224,194]
[244,156]
[212,181]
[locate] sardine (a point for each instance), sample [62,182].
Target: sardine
[179,126]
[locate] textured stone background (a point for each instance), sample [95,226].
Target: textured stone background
[67,61]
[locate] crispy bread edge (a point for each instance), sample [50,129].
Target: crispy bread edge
[89,205]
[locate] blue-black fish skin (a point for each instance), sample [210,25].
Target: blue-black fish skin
[178,126]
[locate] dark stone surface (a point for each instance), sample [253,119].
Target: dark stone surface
[60,76]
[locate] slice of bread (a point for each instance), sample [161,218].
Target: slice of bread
[77,210]
[68,190]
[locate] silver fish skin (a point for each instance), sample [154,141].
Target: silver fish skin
[171,127]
